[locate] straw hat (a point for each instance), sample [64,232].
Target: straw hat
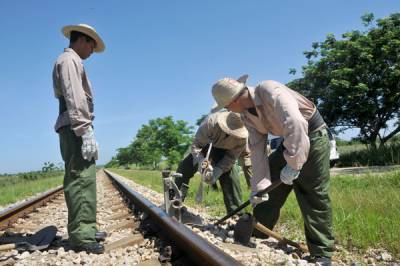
[232,124]
[89,31]
[225,91]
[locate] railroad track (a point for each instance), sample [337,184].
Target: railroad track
[140,232]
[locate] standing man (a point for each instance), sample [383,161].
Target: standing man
[301,162]
[77,142]
[226,132]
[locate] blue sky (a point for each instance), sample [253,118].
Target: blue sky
[161,59]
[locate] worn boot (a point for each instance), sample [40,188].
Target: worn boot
[100,236]
[92,247]
[322,261]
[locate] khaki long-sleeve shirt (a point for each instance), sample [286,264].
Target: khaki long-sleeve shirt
[71,83]
[210,131]
[281,112]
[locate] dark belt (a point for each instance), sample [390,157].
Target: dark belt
[315,122]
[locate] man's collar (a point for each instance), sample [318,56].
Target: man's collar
[70,50]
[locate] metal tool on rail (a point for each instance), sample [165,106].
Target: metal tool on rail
[173,200]
[172,195]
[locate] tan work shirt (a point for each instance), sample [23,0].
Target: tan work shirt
[210,131]
[70,81]
[281,112]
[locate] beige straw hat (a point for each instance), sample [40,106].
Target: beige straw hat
[89,31]
[225,91]
[232,124]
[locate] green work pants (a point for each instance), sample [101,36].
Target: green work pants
[79,189]
[229,180]
[311,190]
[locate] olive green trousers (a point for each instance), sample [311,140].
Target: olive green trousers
[311,191]
[229,180]
[79,189]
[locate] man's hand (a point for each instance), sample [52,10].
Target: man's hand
[211,175]
[288,174]
[89,145]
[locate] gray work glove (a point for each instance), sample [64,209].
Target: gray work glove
[89,145]
[211,175]
[254,200]
[288,174]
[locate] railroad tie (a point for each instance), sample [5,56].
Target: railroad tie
[125,242]
[122,225]
[118,207]
[119,216]
[152,262]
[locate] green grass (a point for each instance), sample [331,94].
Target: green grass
[13,192]
[362,155]
[366,209]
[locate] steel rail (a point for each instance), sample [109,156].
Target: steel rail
[196,248]
[10,215]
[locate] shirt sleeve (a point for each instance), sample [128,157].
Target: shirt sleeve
[295,128]
[259,160]
[201,139]
[75,97]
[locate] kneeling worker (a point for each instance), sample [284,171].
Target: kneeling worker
[228,136]
[301,162]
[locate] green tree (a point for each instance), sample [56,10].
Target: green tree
[355,81]
[49,167]
[161,138]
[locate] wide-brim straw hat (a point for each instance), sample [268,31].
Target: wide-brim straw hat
[89,31]
[226,90]
[232,124]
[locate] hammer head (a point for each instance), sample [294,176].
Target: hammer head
[244,229]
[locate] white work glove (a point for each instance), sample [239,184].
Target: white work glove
[89,145]
[254,200]
[211,175]
[288,174]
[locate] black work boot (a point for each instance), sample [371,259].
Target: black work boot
[93,247]
[323,261]
[100,236]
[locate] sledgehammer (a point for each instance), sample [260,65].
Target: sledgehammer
[245,226]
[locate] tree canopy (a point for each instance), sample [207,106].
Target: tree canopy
[355,80]
[161,139]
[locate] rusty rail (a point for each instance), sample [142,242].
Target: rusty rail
[196,248]
[12,214]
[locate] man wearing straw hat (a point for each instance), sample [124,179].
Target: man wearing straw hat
[301,162]
[79,148]
[227,135]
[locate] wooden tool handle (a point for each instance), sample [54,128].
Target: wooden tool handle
[280,238]
[7,247]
